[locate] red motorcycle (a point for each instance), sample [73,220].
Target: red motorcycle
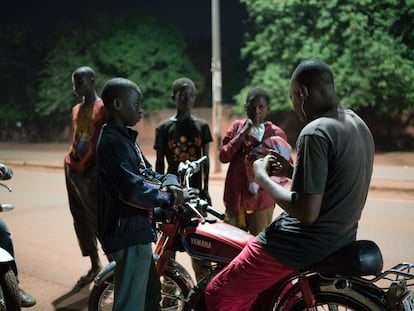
[340,282]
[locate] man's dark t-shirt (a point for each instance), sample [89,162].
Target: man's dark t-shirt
[335,157]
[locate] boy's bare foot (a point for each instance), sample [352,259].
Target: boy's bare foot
[86,279]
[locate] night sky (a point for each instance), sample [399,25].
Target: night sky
[192,17]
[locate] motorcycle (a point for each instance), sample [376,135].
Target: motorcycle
[350,279]
[9,290]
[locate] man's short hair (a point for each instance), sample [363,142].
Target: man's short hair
[312,71]
[182,82]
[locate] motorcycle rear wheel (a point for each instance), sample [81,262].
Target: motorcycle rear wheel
[10,298]
[332,302]
[173,293]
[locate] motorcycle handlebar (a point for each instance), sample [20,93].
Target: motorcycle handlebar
[5,207]
[7,187]
[5,172]
[215,212]
[189,167]
[197,164]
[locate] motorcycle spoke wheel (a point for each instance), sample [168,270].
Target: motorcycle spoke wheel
[101,297]
[330,295]
[173,294]
[331,302]
[10,289]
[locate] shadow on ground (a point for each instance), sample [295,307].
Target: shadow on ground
[73,300]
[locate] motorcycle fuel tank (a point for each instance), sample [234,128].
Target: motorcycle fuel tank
[217,242]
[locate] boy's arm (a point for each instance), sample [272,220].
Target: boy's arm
[231,142]
[206,167]
[160,149]
[159,162]
[206,172]
[121,165]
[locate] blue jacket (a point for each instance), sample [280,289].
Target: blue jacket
[125,197]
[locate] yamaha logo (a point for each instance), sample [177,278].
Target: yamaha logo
[201,243]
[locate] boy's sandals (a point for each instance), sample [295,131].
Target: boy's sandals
[84,280]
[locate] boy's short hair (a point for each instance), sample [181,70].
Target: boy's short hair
[84,71]
[116,88]
[257,92]
[182,82]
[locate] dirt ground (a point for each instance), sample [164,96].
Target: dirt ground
[59,281]
[379,188]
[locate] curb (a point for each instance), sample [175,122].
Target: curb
[393,185]
[387,185]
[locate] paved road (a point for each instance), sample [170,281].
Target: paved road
[48,255]
[52,155]
[49,258]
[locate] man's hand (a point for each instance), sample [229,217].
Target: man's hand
[278,165]
[273,165]
[5,172]
[260,166]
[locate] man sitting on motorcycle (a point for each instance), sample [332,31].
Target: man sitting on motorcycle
[7,243]
[330,182]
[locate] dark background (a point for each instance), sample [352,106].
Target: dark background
[193,19]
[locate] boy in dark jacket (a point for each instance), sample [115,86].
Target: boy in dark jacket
[126,199]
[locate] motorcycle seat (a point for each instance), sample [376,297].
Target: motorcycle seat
[359,258]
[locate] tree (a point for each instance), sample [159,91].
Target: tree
[141,48]
[150,52]
[17,80]
[367,43]
[71,46]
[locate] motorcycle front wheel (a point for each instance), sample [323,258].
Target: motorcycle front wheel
[173,294]
[9,292]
